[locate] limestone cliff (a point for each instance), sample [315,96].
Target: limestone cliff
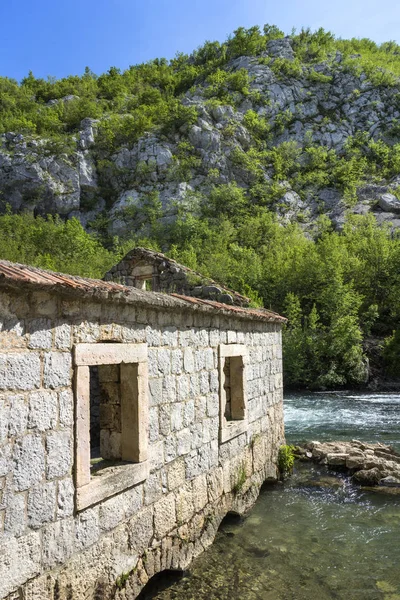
[283,103]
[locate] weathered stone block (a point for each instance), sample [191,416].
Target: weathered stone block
[215,481]
[57,369]
[59,454]
[170,448]
[41,504]
[188,360]
[133,500]
[204,382]
[40,334]
[169,337]
[42,410]
[176,417]
[66,407]
[15,521]
[164,361]
[200,495]
[165,419]
[86,333]
[62,336]
[155,389]
[58,542]
[5,457]
[111,512]
[19,560]
[29,462]
[183,441]
[4,418]
[184,503]
[18,416]
[176,474]
[188,413]
[164,516]
[20,371]
[87,528]
[212,405]
[176,361]
[153,424]
[196,431]
[152,488]
[200,360]
[65,498]
[141,530]
[153,337]
[169,388]
[183,386]
[156,456]
[214,381]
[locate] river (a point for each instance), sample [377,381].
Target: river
[315,537]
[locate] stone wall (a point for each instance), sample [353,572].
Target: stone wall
[142,267]
[50,550]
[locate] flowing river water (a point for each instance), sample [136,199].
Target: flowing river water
[315,537]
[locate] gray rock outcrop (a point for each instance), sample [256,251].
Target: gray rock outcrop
[369,464]
[324,104]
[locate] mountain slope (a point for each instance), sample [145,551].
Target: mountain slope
[303,127]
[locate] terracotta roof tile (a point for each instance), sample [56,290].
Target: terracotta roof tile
[261,313]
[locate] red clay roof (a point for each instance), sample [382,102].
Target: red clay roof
[23,277]
[256,312]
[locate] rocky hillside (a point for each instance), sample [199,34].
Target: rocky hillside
[305,125]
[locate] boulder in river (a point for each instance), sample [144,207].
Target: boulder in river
[369,464]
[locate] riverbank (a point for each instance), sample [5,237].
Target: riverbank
[375,385]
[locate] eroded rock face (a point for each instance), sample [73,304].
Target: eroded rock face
[38,177]
[31,178]
[389,203]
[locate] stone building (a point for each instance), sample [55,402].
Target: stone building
[149,270]
[131,423]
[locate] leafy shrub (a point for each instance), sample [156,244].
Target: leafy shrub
[285,460]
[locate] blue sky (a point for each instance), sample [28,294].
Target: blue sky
[60,37]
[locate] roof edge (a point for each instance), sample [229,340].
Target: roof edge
[15,276]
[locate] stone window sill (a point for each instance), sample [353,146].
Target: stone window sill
[231,430]
[110,481]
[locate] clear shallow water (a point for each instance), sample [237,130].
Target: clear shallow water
[315,537]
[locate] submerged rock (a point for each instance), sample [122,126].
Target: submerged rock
[368,476]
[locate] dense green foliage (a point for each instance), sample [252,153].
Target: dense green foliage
[149,94]
[336,290]
[53,244]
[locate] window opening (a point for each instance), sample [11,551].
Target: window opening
[233,386]
[105,416]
